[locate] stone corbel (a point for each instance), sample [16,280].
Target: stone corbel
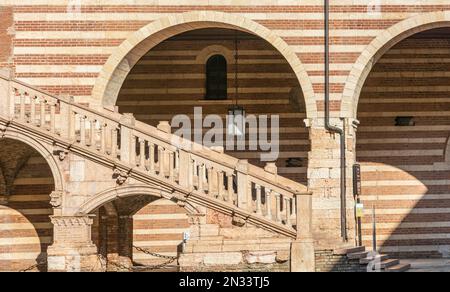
[239,221]
[56,198]
[120,176]
[179,199]
[61,153]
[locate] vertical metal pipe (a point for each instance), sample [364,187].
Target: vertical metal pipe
[332,128]
[374,229]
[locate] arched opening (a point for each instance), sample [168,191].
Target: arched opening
[140,233]
[170,78]
[26,182]
[216,78]
[402,146]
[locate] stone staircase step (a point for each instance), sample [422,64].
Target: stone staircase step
[400,268]
[367,260]
[357,255]
[349,250]
[389,263]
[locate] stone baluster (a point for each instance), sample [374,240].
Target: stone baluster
[133,153]
[53,117]
[230,187]
[103,137]
[201,178]
[220,187]
[269,204]
[161,160]
[151,158]
[171,166]
[114,142]
[258,200]
[42,103]
[22,106]
[83,130]
[32,110]
[92,126]
[278,208]
[287,206]
[141,152]
[210,181]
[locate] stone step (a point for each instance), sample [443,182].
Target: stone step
[349,250]
[389,263]
[357,255]
[367,260]
[400,268]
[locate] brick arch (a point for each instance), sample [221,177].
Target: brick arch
[120,63]
[44,152]
[378,47]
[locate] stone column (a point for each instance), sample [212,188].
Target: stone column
[73,249]
[324,174]
[126,237]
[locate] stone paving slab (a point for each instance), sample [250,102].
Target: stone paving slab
[428,265]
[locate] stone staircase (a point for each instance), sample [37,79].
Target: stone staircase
[381,262]
[155,157]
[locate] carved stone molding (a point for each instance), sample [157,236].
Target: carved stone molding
[239,221]
[71,221]
[120,176]
[61,153]
[72,231]
[56,199]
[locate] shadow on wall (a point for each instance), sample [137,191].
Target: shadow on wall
[25,225]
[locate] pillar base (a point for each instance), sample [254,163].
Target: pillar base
[303,256]
[74,259]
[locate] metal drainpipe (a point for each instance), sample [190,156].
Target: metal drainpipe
[332,128]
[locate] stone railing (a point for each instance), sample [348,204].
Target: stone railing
[157,153]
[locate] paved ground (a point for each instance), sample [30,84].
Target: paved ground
[428,265]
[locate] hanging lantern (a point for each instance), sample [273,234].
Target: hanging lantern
[236,121]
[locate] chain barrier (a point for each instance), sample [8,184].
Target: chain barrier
[35,266]
[170,260]
[102,260]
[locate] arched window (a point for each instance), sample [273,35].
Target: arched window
[216,78]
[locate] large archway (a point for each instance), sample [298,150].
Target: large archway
[172,79]
[138,228]
[119,65]
[402,144]
[378,47]
[26,183]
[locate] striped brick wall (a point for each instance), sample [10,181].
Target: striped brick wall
[405,175]
[25,227]
[64,52]
[171,79]
[159,228]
